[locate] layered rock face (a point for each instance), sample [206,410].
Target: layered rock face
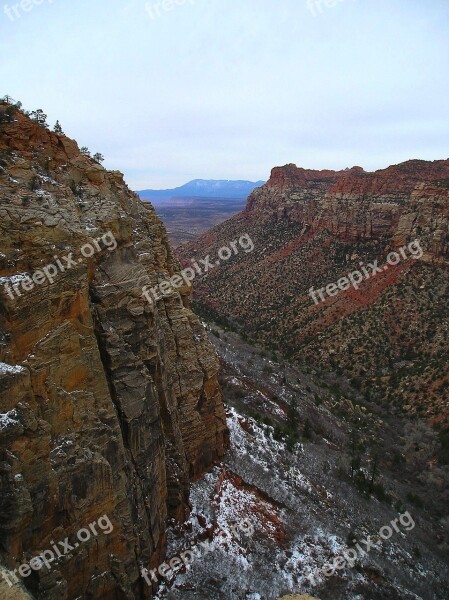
[109,404]
[399,202]
[312,228]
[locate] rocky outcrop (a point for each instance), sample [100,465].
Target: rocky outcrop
[310,229]
[404,200]
[109,404]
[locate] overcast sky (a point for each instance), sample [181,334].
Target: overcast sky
[228,89]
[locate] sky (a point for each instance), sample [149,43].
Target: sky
[174,90]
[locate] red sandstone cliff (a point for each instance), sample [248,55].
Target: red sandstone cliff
[109,405]
[311,228]
[399,201]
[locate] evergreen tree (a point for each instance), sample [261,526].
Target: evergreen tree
[7,116]
[356,452]
[99,158]
[58,129]
[39,116]
[307,432]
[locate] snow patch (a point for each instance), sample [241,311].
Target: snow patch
[6,369]
[8,419]
[12,279]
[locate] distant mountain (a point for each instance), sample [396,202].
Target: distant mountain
[205,188]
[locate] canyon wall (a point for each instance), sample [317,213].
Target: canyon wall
[398,202]
[109,405]
[310,229]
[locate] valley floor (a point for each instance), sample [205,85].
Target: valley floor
[296,496]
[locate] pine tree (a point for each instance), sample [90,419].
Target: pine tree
[85,150]
[308,430]
[40,117]
[7,116]
[356,451]
[98,157]
[58,129]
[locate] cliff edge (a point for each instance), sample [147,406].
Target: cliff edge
[109,405]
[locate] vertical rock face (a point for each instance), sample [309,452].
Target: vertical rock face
[397,202]
[109,404]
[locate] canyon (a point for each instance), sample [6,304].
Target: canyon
[312,228]
[180,419]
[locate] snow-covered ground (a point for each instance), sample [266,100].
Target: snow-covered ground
[301,512]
